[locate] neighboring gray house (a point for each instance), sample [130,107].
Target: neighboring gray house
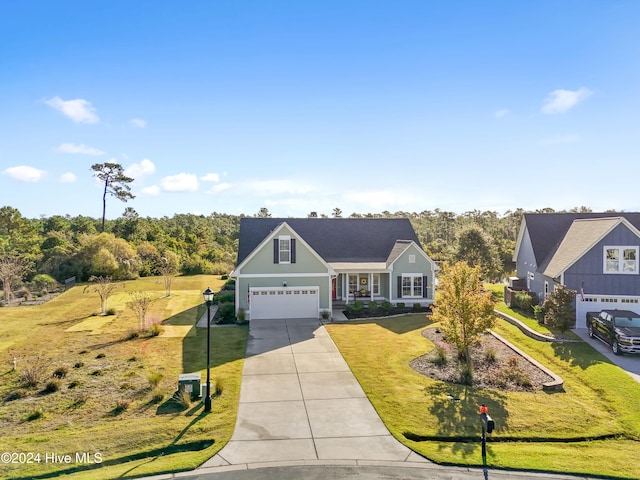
[300,267]
[595,254]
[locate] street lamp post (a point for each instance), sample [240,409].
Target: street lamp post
[208,298]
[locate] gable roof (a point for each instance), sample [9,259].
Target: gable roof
[581,237]
[548,230]
[334,239]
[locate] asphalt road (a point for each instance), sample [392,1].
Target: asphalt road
[371,472]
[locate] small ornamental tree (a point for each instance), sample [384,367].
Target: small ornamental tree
[558,308]
[140,303]
[103,286]
[463,309]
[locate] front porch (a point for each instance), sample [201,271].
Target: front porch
[348,287]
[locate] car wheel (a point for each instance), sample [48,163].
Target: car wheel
[615,348]
[590,330]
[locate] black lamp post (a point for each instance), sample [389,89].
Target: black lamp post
[208,298]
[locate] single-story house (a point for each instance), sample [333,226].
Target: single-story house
[302,267]
[595,254]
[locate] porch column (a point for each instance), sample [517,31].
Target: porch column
[370,286]
[345,288]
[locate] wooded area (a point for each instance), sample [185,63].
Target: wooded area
[60,247]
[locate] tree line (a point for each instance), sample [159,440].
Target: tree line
[63,246]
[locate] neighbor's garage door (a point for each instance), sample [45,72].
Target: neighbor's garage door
[595,303]
[284,302]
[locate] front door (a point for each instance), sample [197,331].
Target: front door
[333,288]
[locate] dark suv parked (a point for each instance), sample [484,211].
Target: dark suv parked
[620,329]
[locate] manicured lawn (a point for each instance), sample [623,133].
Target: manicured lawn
[106,403]
[596,417]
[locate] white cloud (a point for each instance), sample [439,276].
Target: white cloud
[78,110]
[560,101]
[183,182]
[221,187]
[559,139]
[68,177]
[152,190]
[81,149]
[211,177]
[503,112]
[137,170]
[25,173]
[138,122]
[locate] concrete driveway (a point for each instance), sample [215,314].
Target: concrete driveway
[299,402]
[629,363]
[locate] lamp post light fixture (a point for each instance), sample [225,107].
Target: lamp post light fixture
[208,298]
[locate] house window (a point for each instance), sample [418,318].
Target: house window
[412,259]
[412,286]
[621,260]
[353,283]
[546,289]
[285,250]
[376,284]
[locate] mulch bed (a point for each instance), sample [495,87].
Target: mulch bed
[365,313]
[495,365]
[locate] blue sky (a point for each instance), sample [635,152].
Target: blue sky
[301,106]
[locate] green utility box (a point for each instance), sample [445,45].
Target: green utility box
[190,382]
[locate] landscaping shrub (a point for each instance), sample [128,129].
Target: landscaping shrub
[34,414]
[60,372]
[132,334]
[226,313]
[16,395]
[373,306]
[156,396]
[400,305]
[242,315]
[417,307]
[558,309]
[121,406]
[33,373]
[523,301]
[226,298]
[490,355]
[386,307]
[52,386]
[156,329]
[154,379]
[217,388]
[182,398]
[440,356]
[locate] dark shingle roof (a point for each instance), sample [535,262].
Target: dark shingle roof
[334,239]
[546,230]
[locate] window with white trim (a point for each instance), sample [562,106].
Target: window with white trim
[412,259]
[412,286]
[353,283]
[623,259]
[376,284]
[285,249]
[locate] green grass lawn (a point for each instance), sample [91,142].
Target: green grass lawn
[106,404]
[596,417]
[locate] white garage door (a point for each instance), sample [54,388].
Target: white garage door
[284,302]
[595,303]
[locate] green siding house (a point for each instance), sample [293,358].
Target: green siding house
[301,267]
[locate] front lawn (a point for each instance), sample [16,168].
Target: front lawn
[112,394]
[597,415]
